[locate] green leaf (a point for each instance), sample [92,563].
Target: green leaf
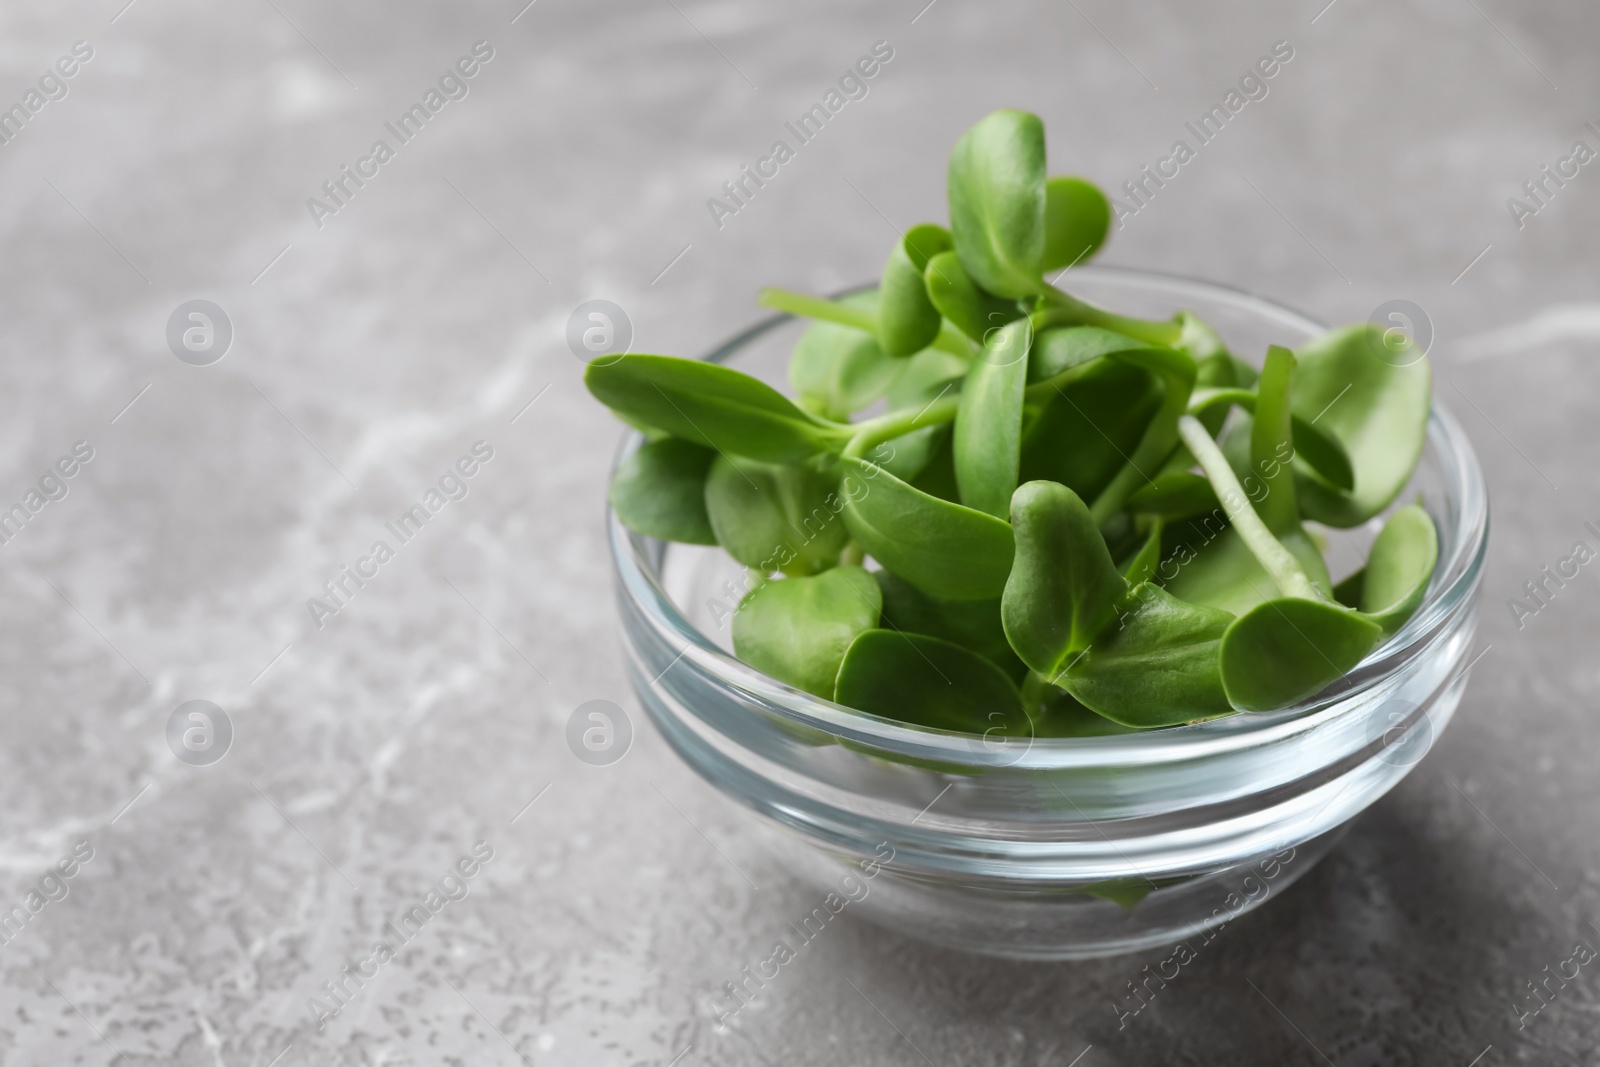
[1077,217]
[713,406]
[651,433]
[1226,573]
[924,378]
[1221,572]
[1155,665]
[1063,588]
[946,550]
[1205,346]
[1288,649]
[1168,363]
[1218,368]
[1174,495]
[838,370]
[928,682]
[988,425]
[1064,715]
[970,309]
[1399,567]
[775,517]
[1215,370]
[1177,372]
[1131,891]
[1288,572]
[1084,430]
[1348,591]
[908,457]
[1320,451]
[1125,535]
[1303,547]
[1244,375]
[1060,349]
[907,320]
[1373,398]
[1141,566]
[972,624]
[997,202]
[797,630]
[938,475]
[1272,444]
[1126,893]
[660,491]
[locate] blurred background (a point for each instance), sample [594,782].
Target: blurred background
[363,744]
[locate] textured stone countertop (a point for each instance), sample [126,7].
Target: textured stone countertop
[374,346]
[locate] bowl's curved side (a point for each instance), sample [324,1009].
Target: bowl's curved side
[1027,827]
[1059,826]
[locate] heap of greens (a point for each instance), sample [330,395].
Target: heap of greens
[1062,521]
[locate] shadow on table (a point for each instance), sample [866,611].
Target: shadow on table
[1399,948]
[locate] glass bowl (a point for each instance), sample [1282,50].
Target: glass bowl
[1056,848]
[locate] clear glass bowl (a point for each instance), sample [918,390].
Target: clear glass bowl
[994,844]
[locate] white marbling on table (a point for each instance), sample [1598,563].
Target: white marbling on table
[431,309]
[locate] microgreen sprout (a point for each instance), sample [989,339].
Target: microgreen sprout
[1016,538]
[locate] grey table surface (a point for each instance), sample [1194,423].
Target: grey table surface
[373,346]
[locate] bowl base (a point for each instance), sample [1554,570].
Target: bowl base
[1041,921]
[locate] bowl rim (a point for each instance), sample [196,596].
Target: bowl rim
[638,578]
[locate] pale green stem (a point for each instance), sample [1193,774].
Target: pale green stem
[1204,398]
[1166,334]
[954,341]
[1042,389]
[1111,498]
[814,307]
[874,432]
[1035,688]
[1277,561]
